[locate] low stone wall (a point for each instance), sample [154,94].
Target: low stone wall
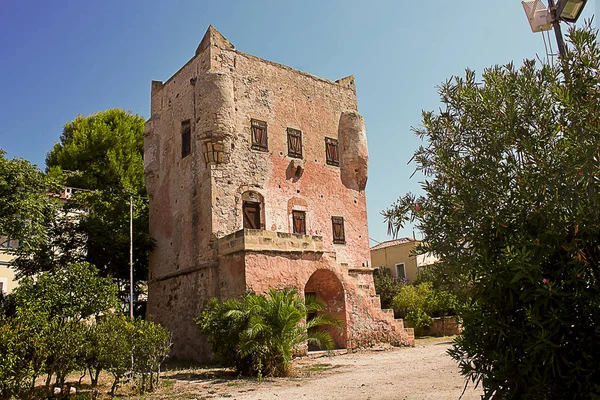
[444,326]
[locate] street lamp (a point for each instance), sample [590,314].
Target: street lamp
[542,18]
[570,10]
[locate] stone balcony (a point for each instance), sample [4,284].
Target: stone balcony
[262,240]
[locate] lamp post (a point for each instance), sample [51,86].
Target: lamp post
[557,30]
[131,257]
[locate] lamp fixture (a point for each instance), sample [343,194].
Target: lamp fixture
[570,10]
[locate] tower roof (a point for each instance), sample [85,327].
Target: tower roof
[213,37]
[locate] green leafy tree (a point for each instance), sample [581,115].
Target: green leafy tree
[52,308]
[446,279]
[120,340]
[61,243]
[25,208]
[102,153]
[23,345]
[412,298]
[151,345]
[511,201]
[115,334]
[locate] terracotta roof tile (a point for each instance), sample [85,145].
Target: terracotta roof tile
[393,242]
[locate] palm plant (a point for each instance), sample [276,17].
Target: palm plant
[277,325]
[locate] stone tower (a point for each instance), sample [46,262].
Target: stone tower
[256,174]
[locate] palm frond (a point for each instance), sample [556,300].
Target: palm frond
[321,339]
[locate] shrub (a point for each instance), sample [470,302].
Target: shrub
[223,329]
[22,353]
[386,286]
[65,344]
[511,201]
[114,335]
[418,303]
[45,326]
[151,344]
[265,330]
[419,320]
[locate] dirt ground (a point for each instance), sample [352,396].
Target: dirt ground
[420,372]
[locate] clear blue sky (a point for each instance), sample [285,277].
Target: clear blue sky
[69,57]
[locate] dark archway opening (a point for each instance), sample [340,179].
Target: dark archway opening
[326,287]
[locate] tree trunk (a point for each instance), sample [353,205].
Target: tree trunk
[94,376]
[49,379]
[114,386]
[84,373]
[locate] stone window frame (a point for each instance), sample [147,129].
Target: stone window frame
[292,134]
[259,135]
[186,138]
[301,215]
[337,230]
[332,151]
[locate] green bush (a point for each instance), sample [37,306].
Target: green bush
[151,345]
[223,329]
[419,303]
[45,326]
[65,344]
[511,201]
[446,279]
[114,335]
[265,330]
[419,320]
[386,286]
[23,351]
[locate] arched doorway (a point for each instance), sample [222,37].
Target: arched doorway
[326,286]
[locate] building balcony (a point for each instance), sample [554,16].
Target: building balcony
[262,240]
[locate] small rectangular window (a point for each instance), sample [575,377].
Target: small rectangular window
[331,151]
[294,138]
[186,138]
[400,271]
[339,236]
[259,135]
[251,213]
[299,220]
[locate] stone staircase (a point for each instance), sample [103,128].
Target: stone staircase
[388,314]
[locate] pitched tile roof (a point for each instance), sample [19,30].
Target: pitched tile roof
[393,242]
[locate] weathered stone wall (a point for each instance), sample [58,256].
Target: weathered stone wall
[196,201]
[286,98]
[365,324]
[175,302]
[180,189]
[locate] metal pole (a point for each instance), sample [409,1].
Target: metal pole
[557,31]
[131,256]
